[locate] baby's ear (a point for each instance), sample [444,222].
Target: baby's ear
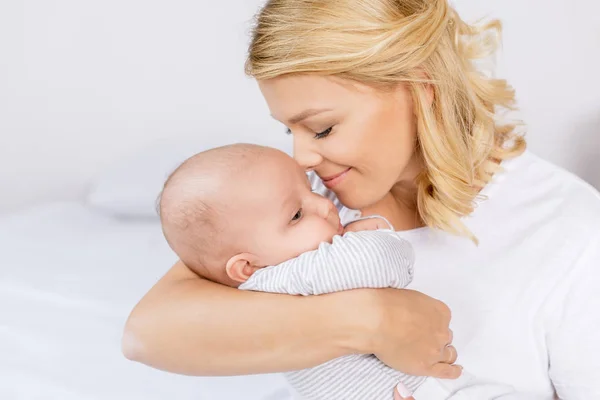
[240,267]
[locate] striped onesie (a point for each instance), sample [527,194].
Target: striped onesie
[367,259]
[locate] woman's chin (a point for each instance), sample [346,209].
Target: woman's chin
[355,201]
[362,200]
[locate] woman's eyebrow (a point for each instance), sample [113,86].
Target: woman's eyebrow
[307,113]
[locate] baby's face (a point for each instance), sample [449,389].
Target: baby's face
[285,218]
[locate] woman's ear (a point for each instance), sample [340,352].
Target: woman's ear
[240,267]
[427,85]
[429,89]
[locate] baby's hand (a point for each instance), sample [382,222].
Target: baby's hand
[370,224]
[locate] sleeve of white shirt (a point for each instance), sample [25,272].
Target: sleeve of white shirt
[574,334]
[367,259]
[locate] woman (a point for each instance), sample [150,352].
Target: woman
[386,104]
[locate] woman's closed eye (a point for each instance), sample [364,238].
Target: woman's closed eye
[323,134]
[320,135]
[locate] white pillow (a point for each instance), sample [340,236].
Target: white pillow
[130,188]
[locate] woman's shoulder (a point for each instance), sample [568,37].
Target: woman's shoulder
[538,172]
[533,180]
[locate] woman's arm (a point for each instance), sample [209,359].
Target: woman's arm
[189,325]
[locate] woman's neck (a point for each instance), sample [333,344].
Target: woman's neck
[399,207]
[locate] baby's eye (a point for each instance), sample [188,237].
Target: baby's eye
[298,215]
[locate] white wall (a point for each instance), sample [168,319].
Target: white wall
[551,55]
[82,83]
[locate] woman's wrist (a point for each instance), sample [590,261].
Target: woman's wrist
[357,316]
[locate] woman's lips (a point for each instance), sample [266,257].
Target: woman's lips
[335,180]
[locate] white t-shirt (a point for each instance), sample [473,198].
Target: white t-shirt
[525,302]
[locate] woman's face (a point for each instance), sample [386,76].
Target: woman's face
[361,141]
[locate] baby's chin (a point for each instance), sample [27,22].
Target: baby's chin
[340,230]
[332,234]
[313,243]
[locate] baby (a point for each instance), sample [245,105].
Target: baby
[231,211]
[246,216]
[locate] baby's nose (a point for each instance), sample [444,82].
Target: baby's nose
[322,206]
[326,207]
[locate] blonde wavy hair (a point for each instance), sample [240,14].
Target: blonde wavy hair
[462,137]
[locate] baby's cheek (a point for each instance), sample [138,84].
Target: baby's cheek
[324,233]
[308,237]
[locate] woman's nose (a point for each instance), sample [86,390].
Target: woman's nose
[304,155]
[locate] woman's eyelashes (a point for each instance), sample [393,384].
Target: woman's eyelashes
[323,134]
[320,135]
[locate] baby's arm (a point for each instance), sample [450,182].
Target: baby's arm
[370,259]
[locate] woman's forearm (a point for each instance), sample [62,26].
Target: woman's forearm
[192,326]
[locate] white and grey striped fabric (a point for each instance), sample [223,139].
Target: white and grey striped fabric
[367,259]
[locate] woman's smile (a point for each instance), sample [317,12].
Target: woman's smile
[333,180]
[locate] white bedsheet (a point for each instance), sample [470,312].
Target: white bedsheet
[68,279]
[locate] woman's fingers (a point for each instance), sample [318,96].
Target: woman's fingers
[412,330]
[449,354]
[402,393]
[446,371]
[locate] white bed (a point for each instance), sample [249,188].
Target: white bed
[69,275]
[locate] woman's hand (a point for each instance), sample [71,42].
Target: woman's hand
[410,332]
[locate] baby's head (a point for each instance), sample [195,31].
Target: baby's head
[229,211]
